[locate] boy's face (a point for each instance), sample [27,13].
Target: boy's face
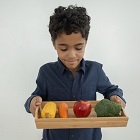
[70,49]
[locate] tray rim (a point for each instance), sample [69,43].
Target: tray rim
[90,122]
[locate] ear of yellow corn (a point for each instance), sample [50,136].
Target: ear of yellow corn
[49,110]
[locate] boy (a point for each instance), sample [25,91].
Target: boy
[71,77]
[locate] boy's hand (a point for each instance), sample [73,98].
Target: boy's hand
[36,101]
[118,100]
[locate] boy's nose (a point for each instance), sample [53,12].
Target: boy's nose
[71,54]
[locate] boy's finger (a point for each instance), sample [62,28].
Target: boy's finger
[117,99]
[38,101]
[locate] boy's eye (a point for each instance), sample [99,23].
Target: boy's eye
[79,48]
[63,49]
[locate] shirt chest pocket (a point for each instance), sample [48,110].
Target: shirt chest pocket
[58,94]
[88,92]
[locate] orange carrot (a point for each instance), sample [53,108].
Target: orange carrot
[63,110]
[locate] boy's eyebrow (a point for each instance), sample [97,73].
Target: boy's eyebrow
[63,44]
[78,44]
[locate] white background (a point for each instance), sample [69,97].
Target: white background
[25,45]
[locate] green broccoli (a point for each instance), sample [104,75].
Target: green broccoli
[107,108]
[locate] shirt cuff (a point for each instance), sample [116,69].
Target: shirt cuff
[27,103]
[118,93]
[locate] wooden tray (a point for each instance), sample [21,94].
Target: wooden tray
[92,121]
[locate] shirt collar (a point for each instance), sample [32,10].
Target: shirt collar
[62,68]
[82,67]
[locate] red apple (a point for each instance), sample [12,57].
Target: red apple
[82,108]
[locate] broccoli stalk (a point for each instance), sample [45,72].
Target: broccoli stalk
[107,108]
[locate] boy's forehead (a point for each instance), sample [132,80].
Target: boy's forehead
[72,39]
[71,36]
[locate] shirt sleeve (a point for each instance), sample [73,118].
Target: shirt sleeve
[39,91]
[105,87]
[27,103]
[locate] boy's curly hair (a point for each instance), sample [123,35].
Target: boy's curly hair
[71,19]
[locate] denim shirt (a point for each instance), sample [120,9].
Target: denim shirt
[56,83]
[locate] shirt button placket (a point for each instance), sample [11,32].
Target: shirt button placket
[72,137]
[73,96]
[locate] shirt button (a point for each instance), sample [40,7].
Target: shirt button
[72,136]
[70,76]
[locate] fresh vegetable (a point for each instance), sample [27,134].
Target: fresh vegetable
[63,110]
[107,108]
[49,110]
[82,108]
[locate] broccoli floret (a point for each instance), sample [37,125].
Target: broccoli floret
[107,108]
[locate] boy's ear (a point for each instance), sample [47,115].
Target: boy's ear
[53,42]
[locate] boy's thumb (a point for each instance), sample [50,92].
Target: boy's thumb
[38,100]
[117,99]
